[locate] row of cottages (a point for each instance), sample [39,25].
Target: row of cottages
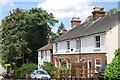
[45,55]
[92,42]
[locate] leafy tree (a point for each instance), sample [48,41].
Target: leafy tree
[24,31]
[61,27]
[113,71]
[53,36]
[38,31]
[90,18]
[112,11]
[14,46]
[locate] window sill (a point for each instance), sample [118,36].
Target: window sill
[56,51]
[77,50]
[67,51]
[97,49]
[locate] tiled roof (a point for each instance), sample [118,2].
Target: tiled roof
[85,29]
[46,47]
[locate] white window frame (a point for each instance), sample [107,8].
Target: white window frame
[42,56]
[97,41]
[56,46]
[98,65]
[78,43]
[56,62]
[77,60]
[68,63]
[68,46]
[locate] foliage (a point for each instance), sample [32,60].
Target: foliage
[109,12]
[23,32]
[90,18]
[113,71]
[63,65]
[112,11]
[7,67]
[26,68]
[53,36]
[61,27]
[50,68]
[14,46]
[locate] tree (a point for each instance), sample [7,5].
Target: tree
[38,31]
[53,36]
[113,71]
[61,27]
[112,11]
[24,31]
[90,18]
[14,46]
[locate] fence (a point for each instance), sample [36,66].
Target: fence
[78,71]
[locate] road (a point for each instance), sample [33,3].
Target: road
[1,71]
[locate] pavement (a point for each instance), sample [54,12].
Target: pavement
[1,71]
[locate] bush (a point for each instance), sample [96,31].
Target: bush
[113,71]
[26,68]
[63,65]
[49,67]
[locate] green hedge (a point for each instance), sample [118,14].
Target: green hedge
[26,68]
[50,68]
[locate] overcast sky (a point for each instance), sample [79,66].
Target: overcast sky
[63,10]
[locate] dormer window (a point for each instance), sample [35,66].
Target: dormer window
[68,45]
[97,41]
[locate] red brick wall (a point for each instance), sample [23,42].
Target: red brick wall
[92,57]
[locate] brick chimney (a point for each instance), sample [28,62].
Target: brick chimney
[62,31]
[75,21]
[98,12]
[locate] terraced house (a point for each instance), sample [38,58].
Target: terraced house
[92,42]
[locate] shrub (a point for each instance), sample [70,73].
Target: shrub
[113,71]
[25,68]
[49,67]
[63,65]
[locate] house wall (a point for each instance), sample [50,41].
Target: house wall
[46,57]
[86,51]
[62,47]
[119,36]
[87,46]
[112,43]
[83,57]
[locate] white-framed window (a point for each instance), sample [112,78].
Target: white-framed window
[46,56]
[78,43]
[56,62]
[68,45]
[68,63]
[77,60]
[97,41]
[97,64]
[56,46]
[41,54]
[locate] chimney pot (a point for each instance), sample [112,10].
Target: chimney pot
[75,21]
[97,13]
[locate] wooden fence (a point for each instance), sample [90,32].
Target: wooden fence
[78,71]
